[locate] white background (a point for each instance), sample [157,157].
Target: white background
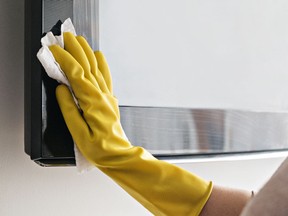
[223,54]
[27,189]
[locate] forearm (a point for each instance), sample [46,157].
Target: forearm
[163,188]
[272,198]
[226,201]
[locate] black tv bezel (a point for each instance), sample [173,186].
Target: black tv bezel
[33,89]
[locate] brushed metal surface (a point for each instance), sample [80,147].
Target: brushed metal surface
[174,131]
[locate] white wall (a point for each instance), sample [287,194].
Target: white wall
[27,189]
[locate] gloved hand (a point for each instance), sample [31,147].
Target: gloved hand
[162,188]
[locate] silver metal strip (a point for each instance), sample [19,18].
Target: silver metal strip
[86,20]
[228,157]
[184,131]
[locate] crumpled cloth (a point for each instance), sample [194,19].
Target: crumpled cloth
[54,71]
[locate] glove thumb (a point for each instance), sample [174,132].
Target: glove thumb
[72,116]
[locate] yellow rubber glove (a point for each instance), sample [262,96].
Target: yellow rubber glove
[163,188]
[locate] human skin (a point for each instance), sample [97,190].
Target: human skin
[226,201]
[273,197]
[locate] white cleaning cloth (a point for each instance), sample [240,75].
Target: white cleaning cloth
[54,71]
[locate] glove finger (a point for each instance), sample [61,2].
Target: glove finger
[93,63]
[72,46]
[104,68]
[82,87]
[73,118]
